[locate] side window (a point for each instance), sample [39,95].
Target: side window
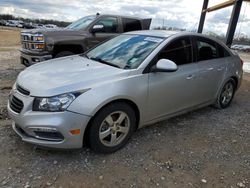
[178,51]
[222,51]
[206,50]
[131,24]
[110,24]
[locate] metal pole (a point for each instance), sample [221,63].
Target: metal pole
[233,22]
[203,16]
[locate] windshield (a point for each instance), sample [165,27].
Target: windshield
[81,23]
[125,51]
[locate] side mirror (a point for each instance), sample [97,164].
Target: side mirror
[164,65]
[97,28]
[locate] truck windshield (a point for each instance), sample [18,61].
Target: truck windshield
[81,23]
[125,51]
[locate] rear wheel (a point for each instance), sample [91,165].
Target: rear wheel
[63,53]
[226,95]
[111,128]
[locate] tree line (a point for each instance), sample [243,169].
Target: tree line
[37,21]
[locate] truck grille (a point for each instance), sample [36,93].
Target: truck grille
[25,37]
[15,104]
[26,45]
[22,90]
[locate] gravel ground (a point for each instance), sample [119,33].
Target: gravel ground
[204,148]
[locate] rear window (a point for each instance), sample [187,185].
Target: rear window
[208,49]
[130,24]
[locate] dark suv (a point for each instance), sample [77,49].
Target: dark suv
[39,45]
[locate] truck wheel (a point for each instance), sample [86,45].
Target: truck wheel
[111,128]
[64,53]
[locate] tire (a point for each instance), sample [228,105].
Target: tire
[226,95]
[106,134]
[64,53]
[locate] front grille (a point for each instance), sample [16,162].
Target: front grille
[28,45]
[22,90]
[25,37]
[16,104]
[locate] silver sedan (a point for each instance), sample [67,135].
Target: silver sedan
[102,96]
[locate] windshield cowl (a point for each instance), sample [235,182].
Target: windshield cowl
[104,62]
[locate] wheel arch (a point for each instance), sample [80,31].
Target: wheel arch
[127,101]
[235,79]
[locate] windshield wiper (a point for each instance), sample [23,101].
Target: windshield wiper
[104,62]
[85,55]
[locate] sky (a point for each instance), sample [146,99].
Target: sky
[170,13]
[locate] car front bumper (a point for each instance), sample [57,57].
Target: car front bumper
[27,122]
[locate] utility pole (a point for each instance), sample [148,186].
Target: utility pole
[233,22]
[203,16]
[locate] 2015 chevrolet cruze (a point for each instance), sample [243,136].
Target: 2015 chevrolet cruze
[135,79]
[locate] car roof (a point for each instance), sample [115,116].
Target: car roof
[122,16]
[155,33]
[167,33]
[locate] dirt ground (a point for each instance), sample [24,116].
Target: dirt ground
[204,148]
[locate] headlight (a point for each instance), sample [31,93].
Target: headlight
[39,46]
[55,103]
[39,38]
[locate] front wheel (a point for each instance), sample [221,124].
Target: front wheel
[226,95]
[111,128]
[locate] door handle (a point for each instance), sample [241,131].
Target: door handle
[220,68]
[211,68]
[189,77]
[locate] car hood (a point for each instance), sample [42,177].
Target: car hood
[56,32]
[67,74]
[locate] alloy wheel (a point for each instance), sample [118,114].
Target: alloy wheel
[227,93]
[114,128]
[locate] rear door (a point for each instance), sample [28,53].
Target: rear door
[111,29]
[170,92]
[146,23]
[131,24]
[212,67]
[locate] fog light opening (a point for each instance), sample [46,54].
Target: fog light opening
[35,59]
[46,133]
[44,129]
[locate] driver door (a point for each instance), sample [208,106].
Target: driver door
[110,29]
[170,92]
